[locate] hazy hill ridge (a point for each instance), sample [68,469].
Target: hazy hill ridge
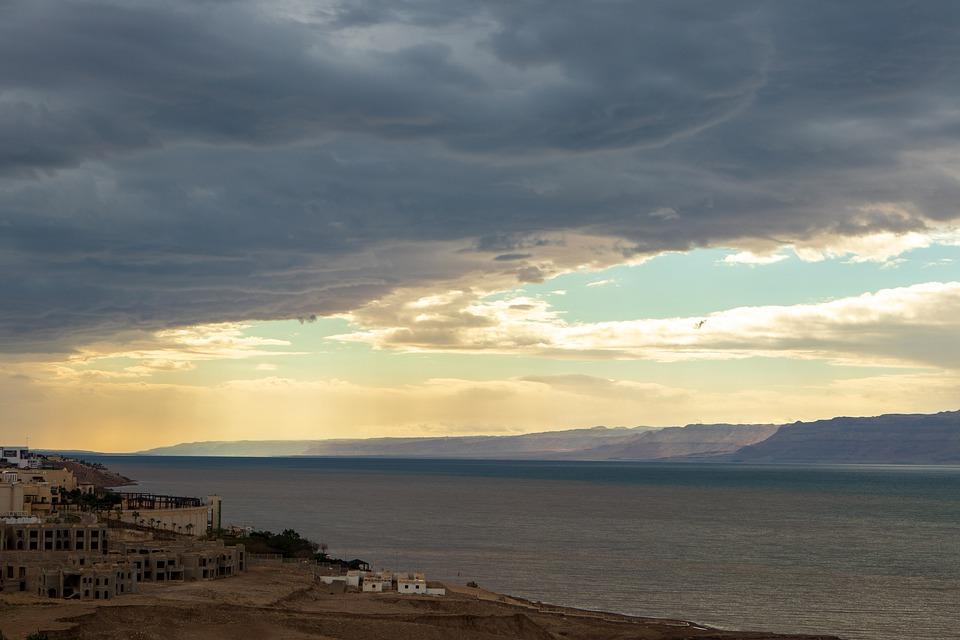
[696,440]
[887,439]
[518,446]
[890,439]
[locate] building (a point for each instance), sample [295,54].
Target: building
[374,586]
[34,491]
[381,581]
[66,578]
[155,561]
[190,516]
[99,581]
[56,559]
[38,497]
[61,480]
[35,535]
[412,584]
[11,494]
[377,581]
[87,561]
[17,456]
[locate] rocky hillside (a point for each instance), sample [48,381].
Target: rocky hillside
[887,439]
[692,441]
[92,475]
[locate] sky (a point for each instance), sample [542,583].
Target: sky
[230,219]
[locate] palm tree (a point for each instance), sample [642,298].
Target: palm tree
[189,528]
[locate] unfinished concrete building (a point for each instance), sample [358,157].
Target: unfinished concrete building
[179,561]
[84,560]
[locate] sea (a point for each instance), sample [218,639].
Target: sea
[864,552]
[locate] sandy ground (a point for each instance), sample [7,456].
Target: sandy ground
[284,603]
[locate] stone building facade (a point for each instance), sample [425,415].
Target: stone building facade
[86,561]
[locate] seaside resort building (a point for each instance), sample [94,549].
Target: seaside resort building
[51,551]
[190,516]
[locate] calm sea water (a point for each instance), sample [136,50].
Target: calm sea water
[863,552]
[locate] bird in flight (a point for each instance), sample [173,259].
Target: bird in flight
[700,324]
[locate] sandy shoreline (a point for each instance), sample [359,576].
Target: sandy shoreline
[282,602]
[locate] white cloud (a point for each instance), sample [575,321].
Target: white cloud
[751,258]
[167,351]
[664,213]
[602,283]
[914,325]
[859,244]
[875,247]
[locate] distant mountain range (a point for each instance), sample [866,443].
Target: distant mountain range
[887,439]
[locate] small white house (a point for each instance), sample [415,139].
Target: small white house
[372,586]
[411,586]
[354,577]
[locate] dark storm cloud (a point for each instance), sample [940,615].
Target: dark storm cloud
[171,163]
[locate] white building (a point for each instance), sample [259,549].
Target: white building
[16,455]
[411,586]
[416,584]
[381,581]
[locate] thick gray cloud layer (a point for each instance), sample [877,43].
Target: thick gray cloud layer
[164,163]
